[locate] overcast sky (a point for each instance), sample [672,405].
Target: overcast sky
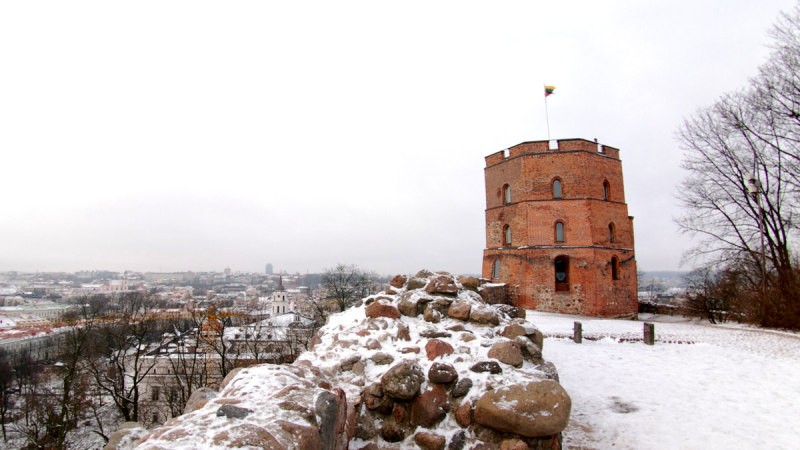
[171,136]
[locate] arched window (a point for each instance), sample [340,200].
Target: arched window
[614,268]
[611,233]
[557,192]
[496,269]
[506,194]
[561,268]
[506,235]
[559,231]
[606,190]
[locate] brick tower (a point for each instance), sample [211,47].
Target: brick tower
[558,229]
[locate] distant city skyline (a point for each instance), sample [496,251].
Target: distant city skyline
[315,133]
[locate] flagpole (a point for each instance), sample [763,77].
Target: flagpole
[547,115]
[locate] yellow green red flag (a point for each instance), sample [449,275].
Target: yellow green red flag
[549,90]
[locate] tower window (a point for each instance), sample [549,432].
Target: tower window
[561,266]
[611,233]
[557,188]
[496,269]
[559,231]
[606,190]
[614,268]
[506,235]
[506,194]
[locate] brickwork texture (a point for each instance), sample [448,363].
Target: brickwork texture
[589,268]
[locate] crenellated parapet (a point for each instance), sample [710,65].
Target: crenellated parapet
[558,229]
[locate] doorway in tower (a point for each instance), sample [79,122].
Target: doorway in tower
[561,272]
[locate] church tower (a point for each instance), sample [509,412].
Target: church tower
[280,299]
[558,230]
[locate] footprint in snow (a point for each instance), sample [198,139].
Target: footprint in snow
[622,407]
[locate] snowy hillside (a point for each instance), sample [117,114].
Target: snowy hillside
[700,387]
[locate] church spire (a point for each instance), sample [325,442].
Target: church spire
[280,284]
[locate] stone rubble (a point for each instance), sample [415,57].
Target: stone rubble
[433,362]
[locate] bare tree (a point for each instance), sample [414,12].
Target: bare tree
[212,335]
[345,284]
[777,94]
[741,195]
[72,374]
[26,386]
[715,295]
[257,342]
[38,407]
[6,390]
[189,367]
[120,364]
[51,398]
[299,337]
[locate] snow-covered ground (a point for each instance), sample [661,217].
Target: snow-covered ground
[701,386]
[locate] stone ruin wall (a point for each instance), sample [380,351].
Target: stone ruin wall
[433,362]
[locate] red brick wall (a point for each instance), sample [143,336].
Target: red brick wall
[527,263]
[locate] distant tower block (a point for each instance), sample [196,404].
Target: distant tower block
[268,269]
[558,229]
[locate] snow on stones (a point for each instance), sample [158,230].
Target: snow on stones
[432,362]
[538,408]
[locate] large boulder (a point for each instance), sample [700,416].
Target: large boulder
[198,399]
[533,409]
[392,432]
[484,314]
[398,281]
[408,306]
[331,413]
[381,358]
[233,412]
[432,314]
[511,312]
[429,441]
[442,284]
[382,307]
[429,407]
[461,388]
[442,373]
[403,380]
[459,310]
[416,283]
[520,327]
[529,349]
[470,283]
[304,436]
[486,366]
[507,352]
[436,348]
[125,436]
[375,400]
[463,414]
[494,294]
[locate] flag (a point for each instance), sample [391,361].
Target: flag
[549,90]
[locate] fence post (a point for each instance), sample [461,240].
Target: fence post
[577,332]
[649,333]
